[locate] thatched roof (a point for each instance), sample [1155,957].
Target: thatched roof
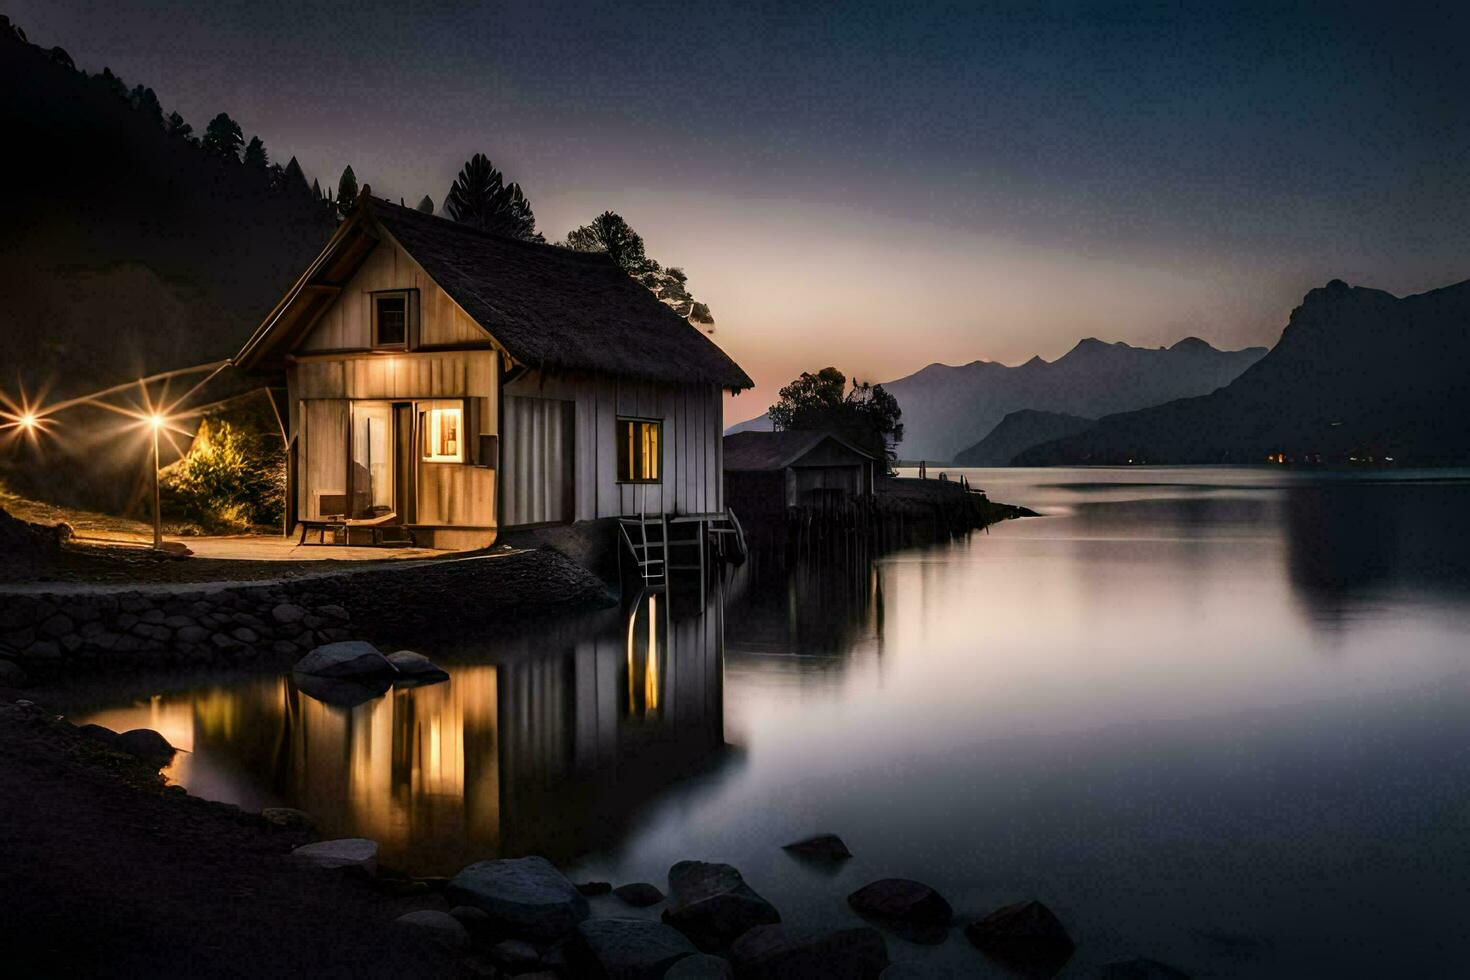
[548,307]
[745,451]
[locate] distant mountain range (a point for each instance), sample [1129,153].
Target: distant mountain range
[948,409]
[1019,431]
[1357,373]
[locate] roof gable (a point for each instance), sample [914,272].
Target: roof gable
[548,307]
[755,450]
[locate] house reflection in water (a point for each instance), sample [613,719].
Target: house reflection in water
[550,742]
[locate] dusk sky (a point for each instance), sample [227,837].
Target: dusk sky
[872,186]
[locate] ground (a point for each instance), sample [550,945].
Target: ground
[104,872]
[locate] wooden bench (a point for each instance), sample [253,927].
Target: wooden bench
[375,527]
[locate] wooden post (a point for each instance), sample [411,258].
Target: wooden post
[157,508]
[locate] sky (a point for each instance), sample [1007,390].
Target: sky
[880,186]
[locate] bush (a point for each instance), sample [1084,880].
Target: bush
[234,476]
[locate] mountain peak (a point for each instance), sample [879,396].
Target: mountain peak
[1193,343]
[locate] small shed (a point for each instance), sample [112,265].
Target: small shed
[768,473]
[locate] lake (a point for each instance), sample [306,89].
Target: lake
[1215,716]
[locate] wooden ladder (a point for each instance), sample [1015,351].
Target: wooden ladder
[650,553]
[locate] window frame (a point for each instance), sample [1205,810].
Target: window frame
[406,297]
[634,420]
[426,409]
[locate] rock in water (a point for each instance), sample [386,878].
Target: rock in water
[147,745]
[346,658]
[591,888]
[639,894]
[822,847]
[712,904]
[902,900]
[1024,922]
[417,666]
[1024,938]
[353,853]
[630,949]
[770,953]
[341,692]
[287,818]
[99,733]
[527,897]
[1142,969]
[701,966]
[440,927]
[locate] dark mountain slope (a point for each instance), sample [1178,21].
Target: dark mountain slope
[1019,431]
[947,409]
[1357,372]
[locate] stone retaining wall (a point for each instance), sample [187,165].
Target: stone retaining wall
[278,622]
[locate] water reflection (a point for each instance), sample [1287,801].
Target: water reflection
[554,747]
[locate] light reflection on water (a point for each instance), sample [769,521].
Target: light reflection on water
[1214,716]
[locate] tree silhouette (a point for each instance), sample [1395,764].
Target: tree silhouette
[316,187]
[174,125]
[347,192]
[255,155]
[146,102]
[865,414]
[223,138]
[111,83]
[610,233]
[426,205]
[293,181]
[481,197]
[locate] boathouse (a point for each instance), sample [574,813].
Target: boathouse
[444,383]
[770,473]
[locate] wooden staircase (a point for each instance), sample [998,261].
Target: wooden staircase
[650,551]
[648,540]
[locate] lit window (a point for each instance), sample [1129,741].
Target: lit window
[638,450]
[390,320]
[443,434]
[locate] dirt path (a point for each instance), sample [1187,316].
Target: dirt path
[104,873]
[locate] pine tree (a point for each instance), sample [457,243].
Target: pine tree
[294,181]
[145,101]
[347,192]
[426,205]
[481,197]
[223,138]
[316,187]
[174,125]
[255,155]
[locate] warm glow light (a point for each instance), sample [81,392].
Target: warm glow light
[156,420]
[27,421]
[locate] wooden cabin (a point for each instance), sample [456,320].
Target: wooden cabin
[443,383]
[769,473]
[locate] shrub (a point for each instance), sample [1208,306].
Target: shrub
[234,475]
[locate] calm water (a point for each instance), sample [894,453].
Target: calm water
[1219,717]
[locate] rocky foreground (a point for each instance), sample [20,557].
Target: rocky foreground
[105,870]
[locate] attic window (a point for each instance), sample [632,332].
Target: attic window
[638,450]
[390,320]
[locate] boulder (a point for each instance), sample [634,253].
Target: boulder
[901,900]
[770,952]
[12,674]
[592,888]
[341,692]
[1140,969]
[356,659]
[1023,938]
[701,966]
[287,818]
[639,894]
[416,666]
[515,956]
[353,853]
[822,847]
[287,613]
[712,904]
[526,897]
[147,745]
[628,949]
[439,927]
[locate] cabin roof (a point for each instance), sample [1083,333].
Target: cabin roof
[746,451]
[549,307]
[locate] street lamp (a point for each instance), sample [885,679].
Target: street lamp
[156,423]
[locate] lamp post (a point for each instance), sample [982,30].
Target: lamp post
[155,422]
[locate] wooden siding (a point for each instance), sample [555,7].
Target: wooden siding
[692,439]
[323,466]
[347,323]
